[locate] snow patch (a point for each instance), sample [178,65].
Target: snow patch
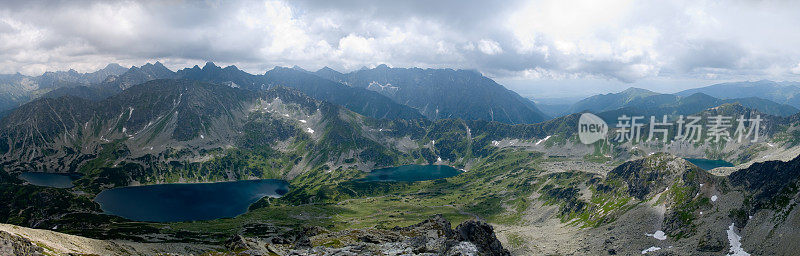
[736,244]
[651,249]
[309,130]
[202,137]
[543,140]
[660,235]
[714,198]
[303,121]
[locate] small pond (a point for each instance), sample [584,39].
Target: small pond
[412,173]
[55,180]
[708,164]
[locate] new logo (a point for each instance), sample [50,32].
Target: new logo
[591,128]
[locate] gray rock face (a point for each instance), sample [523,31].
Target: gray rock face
[430,237]
[481,235]
[17,245]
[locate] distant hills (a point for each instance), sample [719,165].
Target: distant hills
[637,101]
[17,89]
[611,101]
[780,92]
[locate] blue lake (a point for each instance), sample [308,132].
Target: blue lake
[412,173]
[187,202]
[55,180]
[708,164]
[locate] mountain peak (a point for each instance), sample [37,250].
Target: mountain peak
[113,66]
[636,90]
[277,69]
[210,65]
[328,72]
[157,67]
[700,95]
[298,68]
[382,67]
[326,68]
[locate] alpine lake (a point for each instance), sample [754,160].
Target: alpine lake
[206,201]
[708,164]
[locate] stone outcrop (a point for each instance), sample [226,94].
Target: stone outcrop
[482,236]
[430,237]
[16,245]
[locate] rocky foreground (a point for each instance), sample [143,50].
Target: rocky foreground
[431,237]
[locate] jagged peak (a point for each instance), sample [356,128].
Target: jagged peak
[296,67]
[279,68]
[210,65]
[235,69]
[327,69]
[156,66]
[113,65]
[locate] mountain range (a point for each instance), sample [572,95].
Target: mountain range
[471,96]
[534,187]
[780,92]
[17,89]
[443,93]
[642,102]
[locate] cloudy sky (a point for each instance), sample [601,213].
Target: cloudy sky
[548,48]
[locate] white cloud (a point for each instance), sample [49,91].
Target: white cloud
[619,39]
[796,69]
[489,47]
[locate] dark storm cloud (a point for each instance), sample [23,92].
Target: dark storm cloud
[620,40]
